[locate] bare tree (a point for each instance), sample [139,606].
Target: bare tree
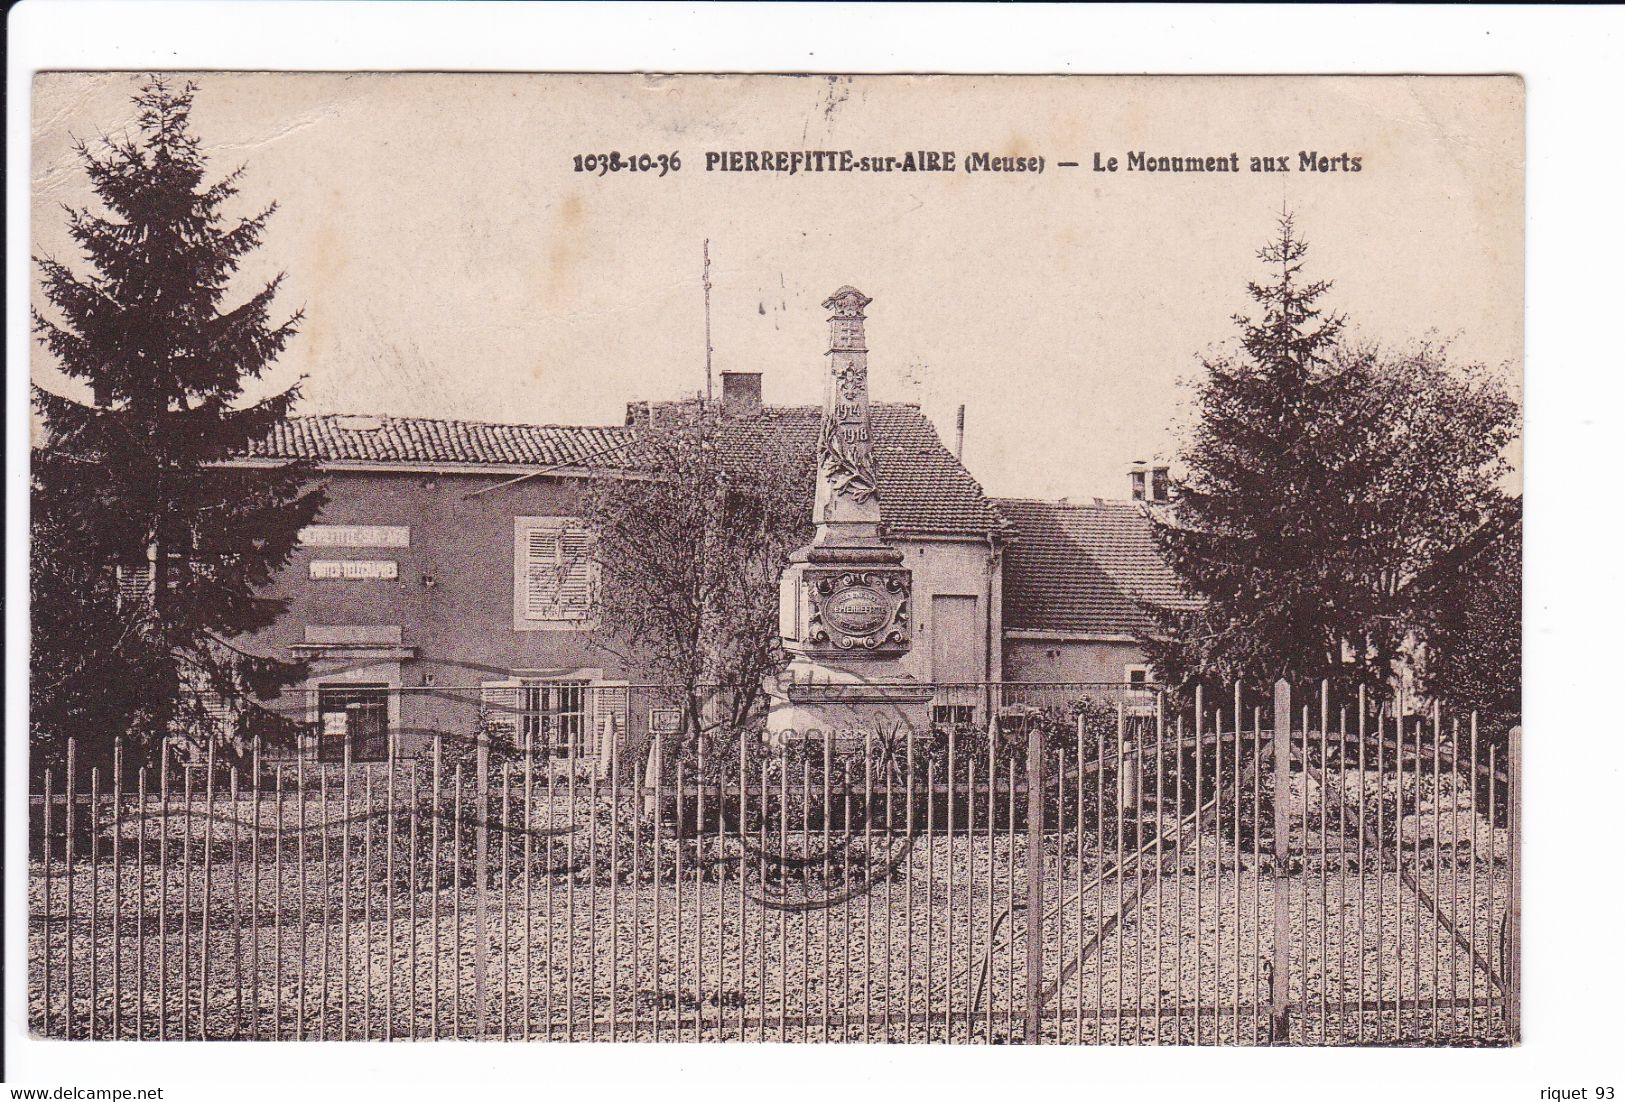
[692,552]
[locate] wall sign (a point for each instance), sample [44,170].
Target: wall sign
[384,570]
[355,535]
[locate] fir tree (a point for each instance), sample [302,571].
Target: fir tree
[149,557]
[1320,480]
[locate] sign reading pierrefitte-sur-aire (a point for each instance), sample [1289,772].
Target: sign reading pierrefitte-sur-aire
[355,535]
[353,568]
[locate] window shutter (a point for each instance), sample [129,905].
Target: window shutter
[610,712]
[559,573]
[543,550]
[576,574]
[499,709]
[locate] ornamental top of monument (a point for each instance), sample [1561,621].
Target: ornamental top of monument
[848,302]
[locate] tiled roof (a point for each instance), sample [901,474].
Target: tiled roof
[923,488]
[332,437]
[1085,568]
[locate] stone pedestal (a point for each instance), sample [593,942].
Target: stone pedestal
[845,611]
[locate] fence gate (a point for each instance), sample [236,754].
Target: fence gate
[1255,870]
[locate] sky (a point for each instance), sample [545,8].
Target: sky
[452,263]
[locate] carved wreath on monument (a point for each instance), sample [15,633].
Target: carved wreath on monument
[850,470]
[854,610]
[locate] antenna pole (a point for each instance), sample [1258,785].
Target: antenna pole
[705,281]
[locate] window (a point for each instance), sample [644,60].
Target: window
[554,573]
[1136,482]
[553,717]
[953,715]
[357,715]
[1137,677]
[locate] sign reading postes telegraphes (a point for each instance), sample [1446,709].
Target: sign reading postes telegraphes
[355,535]
[354,569]
[665,721]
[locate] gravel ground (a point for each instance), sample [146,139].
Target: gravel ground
[896,964]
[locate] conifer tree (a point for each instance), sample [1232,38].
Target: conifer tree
[1321,478]
[148,557]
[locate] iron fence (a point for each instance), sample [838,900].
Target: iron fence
[1056,870]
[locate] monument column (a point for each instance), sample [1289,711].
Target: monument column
[845,612]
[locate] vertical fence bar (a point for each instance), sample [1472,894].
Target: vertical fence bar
[118,889]
[784,915]
[1455,875]
[1416,848]
[1258,871]
[1077,885]
[1472,865]
[948,970]
[829,887]
[186,903]
[389,896]
[530,877]
[1118,869]
[806,917]
[68,893]
[614,891]
[677,903]
[163,893]
[744,836]
[1156,1032]
[1218,874]
[761,924]
[908,890]
[506,834]
[236,906]
[1196,844]
[930,885]
[1360,845]
[1435,854]
[1235,864]
[1325,809]
[592,899]
[46,954]
[95,896]
[1489,894]
[1382,869]
[1282,960]
[276,908]
[846,907]
[254,896]
[370,974]
[1136,792]
[436,756]
[1512,964]
[868,896]
[1342,866]
[1100,893]
[659,927]
[1011,774]
[992,876]
[551,966]
[457,901]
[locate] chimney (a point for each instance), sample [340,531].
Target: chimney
[1148,483]
[637,414]
[742,393]
[959,435]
